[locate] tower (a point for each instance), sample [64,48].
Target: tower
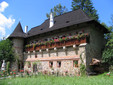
[17,38]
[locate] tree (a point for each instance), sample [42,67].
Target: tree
[6,51]
[86,6]
[108,51]
[57,10]
[108,35]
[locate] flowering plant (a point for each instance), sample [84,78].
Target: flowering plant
[78,37]
[14,73]
[21,72]
[3,73]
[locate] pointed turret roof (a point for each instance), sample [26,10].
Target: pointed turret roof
[18,32]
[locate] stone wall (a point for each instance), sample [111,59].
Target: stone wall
[66,65]
[85,51]
[18,46]
[94,48]
[60,52]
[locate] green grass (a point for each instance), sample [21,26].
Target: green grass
[53,80]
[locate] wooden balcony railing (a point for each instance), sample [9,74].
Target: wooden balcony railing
[58,44]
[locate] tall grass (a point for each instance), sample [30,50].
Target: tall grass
[60,80]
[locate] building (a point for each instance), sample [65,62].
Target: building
[60,44]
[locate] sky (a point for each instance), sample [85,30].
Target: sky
[33,12]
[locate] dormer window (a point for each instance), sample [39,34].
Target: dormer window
[67,21]
[54,22]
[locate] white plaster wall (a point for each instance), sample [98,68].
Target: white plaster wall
[53,53]
[39,54]
[45,54]
[61,52]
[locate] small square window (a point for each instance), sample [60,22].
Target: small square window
[51,64]
[35,55]
[75,63]
[59,64]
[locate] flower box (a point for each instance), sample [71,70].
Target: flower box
[43,46]
[53,45]
[37,48]
[76,40]
[83,40]
[62,43]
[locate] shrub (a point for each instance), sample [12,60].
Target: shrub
[82,69]
[8,66]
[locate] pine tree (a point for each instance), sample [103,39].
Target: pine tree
[57,10]
[86,6]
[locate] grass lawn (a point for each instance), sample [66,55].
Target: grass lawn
[54,80]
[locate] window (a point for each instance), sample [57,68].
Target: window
[67,21]
[75,63]
[59,64]
[35,55]
[51,64]
[29,64]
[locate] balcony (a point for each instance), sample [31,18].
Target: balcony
[58,44]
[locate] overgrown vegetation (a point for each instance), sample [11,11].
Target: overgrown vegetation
[108,51]
[8,67]
[82,66]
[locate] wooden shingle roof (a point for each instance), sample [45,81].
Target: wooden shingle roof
[61,21]
[18,32]
[67,19]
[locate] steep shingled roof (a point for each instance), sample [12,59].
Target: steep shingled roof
[61,21]
[18,32]
[67,19]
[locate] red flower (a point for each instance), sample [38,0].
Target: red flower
[21,70]
[4,71]
[13,70]
[14,73]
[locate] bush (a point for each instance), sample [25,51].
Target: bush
[111,68]
[82,70]
[8,66]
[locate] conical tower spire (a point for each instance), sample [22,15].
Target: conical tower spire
[18,32]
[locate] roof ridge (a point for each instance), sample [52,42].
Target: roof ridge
[67,13]
[86,14]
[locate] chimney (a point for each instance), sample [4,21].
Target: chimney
[26,29]
[51,20]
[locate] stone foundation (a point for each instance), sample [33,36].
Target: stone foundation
[67,68]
